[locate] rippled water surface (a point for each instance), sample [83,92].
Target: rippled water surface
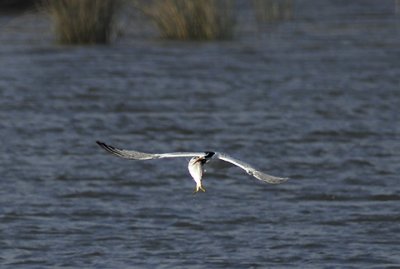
[316,99]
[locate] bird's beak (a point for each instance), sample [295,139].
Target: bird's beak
[199,160]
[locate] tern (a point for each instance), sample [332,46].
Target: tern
[196,163]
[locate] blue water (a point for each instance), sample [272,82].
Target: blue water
[315,99]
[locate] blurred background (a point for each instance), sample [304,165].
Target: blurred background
[303,89]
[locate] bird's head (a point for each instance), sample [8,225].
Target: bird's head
[203,159]
[199,159]
[209,154]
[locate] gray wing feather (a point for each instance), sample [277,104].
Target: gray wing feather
[251,170]
[137,155]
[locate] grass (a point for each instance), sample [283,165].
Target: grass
[191,19]
[82,21]
[272,10]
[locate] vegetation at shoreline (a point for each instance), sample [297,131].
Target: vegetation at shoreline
[191,20]
[272,10]
[93,21]
[82,21]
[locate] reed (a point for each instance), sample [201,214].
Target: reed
[82,21]
[273,10]
[191,19]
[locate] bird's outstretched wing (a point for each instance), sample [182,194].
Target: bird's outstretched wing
[251,170]
[136,155]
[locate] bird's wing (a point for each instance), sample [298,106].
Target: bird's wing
[251,170]
[136,155]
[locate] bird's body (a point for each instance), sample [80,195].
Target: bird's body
[196,163]
[196,170]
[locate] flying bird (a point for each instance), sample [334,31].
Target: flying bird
[196,163]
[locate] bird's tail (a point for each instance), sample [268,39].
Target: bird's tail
[199,187]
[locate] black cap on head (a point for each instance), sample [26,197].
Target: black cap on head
[209,154]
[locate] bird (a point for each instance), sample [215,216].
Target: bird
[196,163]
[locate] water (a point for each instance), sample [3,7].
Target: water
[315,99]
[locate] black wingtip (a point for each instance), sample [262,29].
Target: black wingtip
[108,147]
[103,145]
[99,143]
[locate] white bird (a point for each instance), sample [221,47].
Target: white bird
[196,163]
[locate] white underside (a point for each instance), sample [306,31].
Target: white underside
[196,170]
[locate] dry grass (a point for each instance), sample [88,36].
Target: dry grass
[82,21]
[191,19]
[273,10]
